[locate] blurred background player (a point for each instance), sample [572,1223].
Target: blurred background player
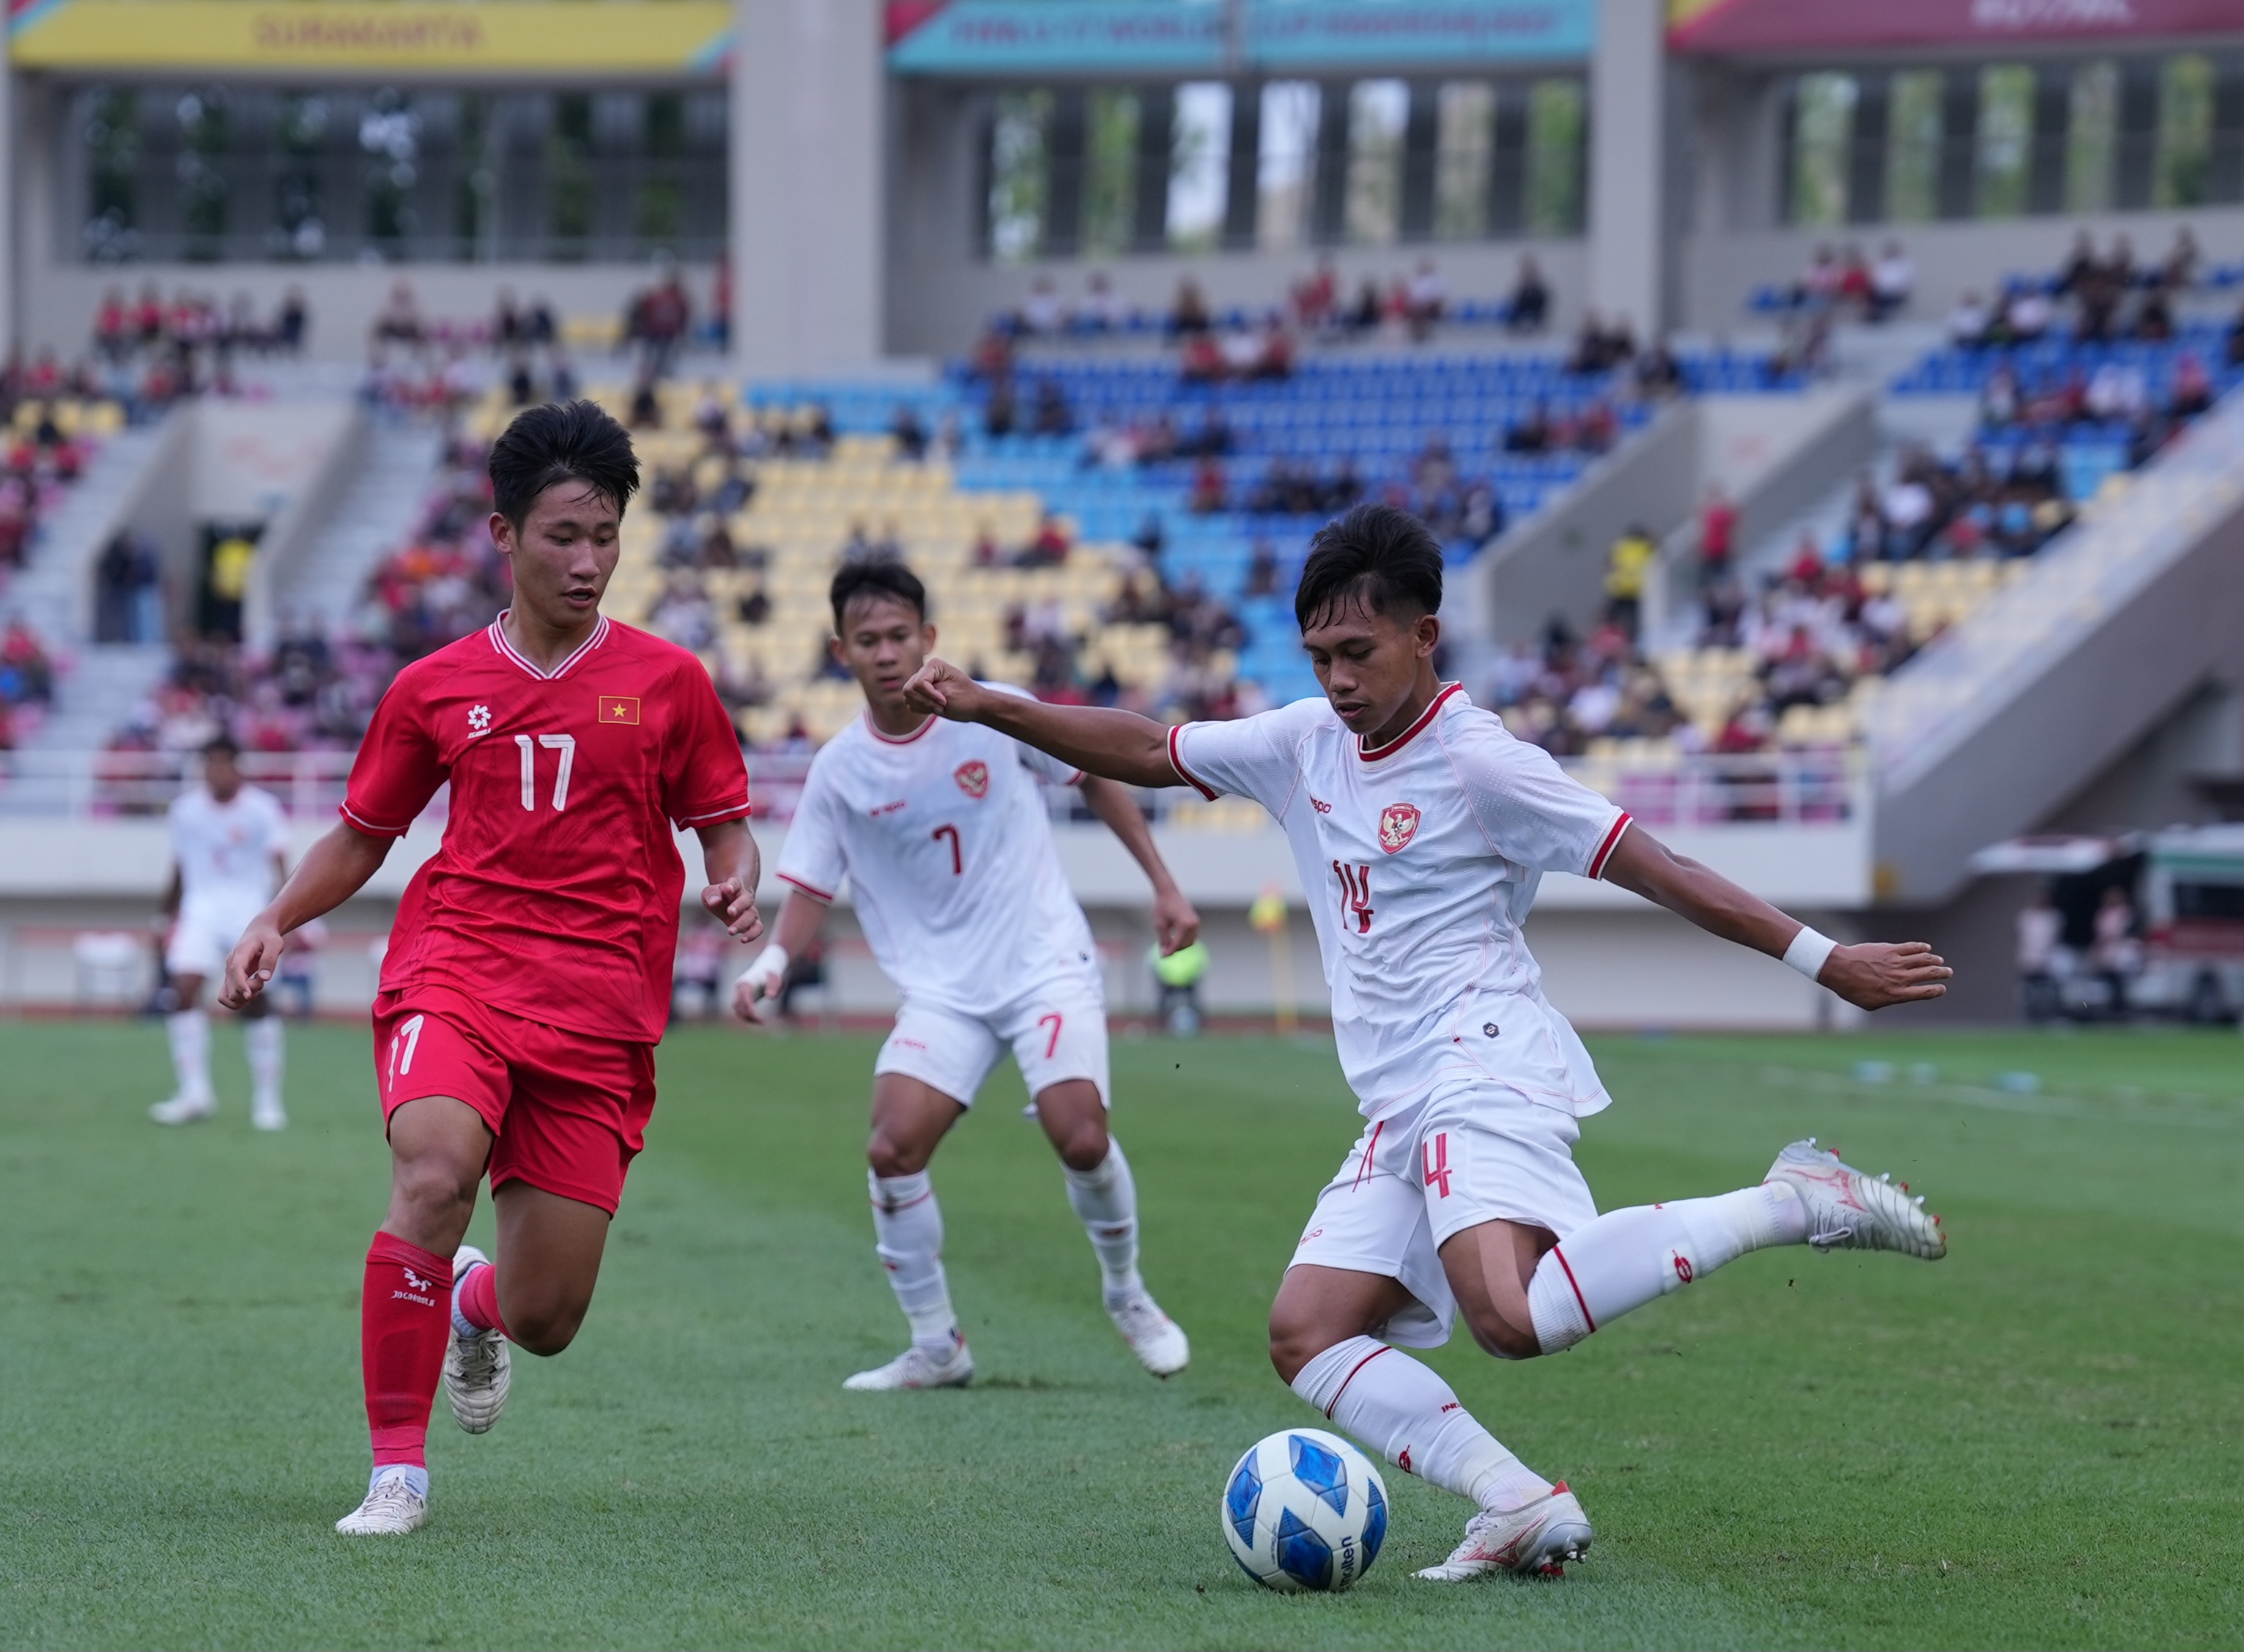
[943,837]
[1429,827]
[528,977]
[229,852]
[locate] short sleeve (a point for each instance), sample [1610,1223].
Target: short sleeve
[1042,764]
[812,858]
[1534,813]
[1257,757]
[397,769]
[706,780]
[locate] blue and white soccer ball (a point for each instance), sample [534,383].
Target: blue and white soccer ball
[1305,1510]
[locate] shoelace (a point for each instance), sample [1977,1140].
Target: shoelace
[478,1357]
[390,1496]
[1141,1317]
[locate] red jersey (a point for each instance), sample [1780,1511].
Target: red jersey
[555,894]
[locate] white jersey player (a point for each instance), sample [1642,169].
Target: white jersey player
[940,832]
[229,853]
[1421,829]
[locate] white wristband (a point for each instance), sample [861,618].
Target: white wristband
[1808,951]
[770,965]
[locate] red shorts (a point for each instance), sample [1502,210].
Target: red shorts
[569,1112]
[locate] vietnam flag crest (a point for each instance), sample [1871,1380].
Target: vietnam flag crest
[619,708]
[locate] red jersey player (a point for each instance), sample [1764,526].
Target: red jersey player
[527,975]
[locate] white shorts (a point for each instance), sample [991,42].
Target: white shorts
[1057,1033]
[206,932]
[1469,1153]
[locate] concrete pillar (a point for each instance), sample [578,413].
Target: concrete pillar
[808,109]
[12,324]
[1628,234]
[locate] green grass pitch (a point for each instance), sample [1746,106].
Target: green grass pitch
[2031,1444]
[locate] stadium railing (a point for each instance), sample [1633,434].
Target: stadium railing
[1811,787]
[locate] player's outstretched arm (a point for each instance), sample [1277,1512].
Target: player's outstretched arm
[1119,745]
[1871,975]
[799,916]
[333,870]
[1176,924]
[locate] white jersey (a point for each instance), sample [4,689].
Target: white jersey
[1419,860]
[948,850]
[225,850]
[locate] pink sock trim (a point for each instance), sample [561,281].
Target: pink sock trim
[478,1299]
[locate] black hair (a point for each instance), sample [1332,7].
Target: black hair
[1376,556]
[221,741]
[561,442]
[882,579]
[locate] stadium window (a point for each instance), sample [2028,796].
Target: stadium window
[1912,129]
[1377,112]
[2185,152]
[1110,171]
[1199,165]
[2004,140]
[202,172]
[110,123]
[1017,175]
[388,140]
[1822,136]
[2091,136]
[1286,166]
[1557,126]
[1465,149]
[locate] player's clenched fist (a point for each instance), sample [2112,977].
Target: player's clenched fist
[734,906]
[1880,973]
[251,964]
[942,689]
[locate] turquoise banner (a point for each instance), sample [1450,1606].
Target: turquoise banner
[1121,37]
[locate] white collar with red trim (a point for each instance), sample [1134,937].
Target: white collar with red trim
[497,631]
[1418,726]
[896,739]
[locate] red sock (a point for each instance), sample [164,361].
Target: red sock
[478,1300]
[405,1319]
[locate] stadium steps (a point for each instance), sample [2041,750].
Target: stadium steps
[97,696]
[1992,728]
[55,591]
[374,516]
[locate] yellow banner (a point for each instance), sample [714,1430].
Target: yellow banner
[351,38]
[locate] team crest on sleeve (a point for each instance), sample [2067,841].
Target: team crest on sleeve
[973,778]
[1398,824]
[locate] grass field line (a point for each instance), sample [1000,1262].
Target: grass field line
[2053,1105]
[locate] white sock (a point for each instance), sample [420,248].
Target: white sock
[1391,1402]
[1626,1258]
[908,1235]
[415,1476]
[189,1031]
[1106,1200]
[263,1037]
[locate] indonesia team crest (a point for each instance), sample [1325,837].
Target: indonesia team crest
[973,778]
[1398,824]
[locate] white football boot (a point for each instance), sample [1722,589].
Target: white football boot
[1847,1210]
[477,1369]
[1158,1340]
[267,1113]
[916,1368]
[183,1109]
[1536,1540]
[392,1508]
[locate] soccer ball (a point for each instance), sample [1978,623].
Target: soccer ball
[1305,1510]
